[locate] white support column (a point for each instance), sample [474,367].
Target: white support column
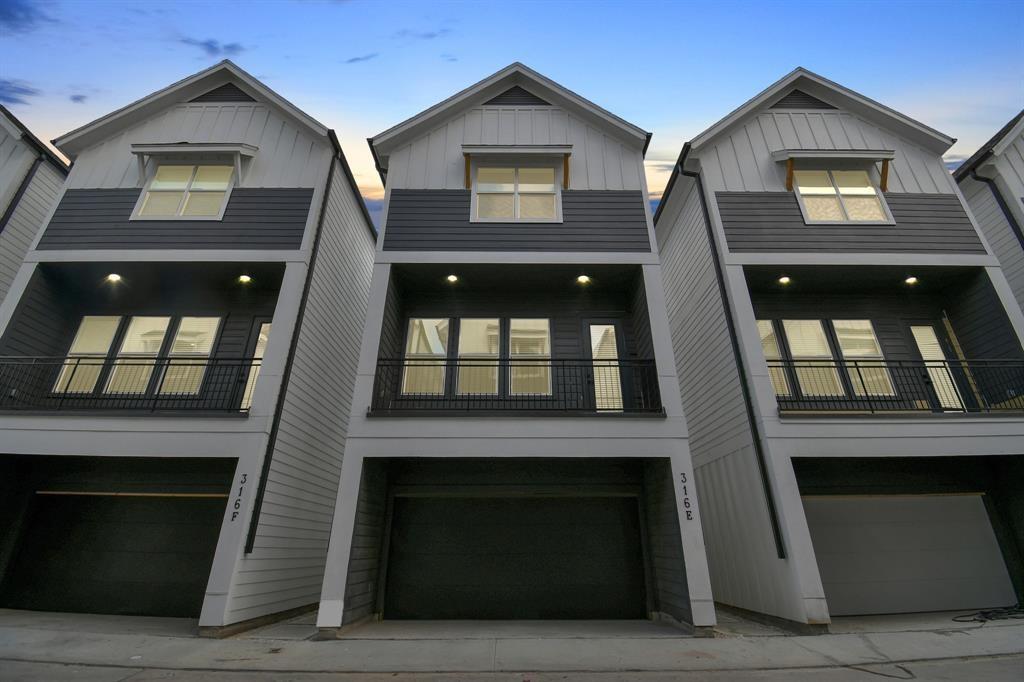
[332,597]
[698,580]
[661,336]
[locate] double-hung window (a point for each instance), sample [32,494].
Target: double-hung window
[839,196]
[863,358]
[516,194]
[479,350]
[814,366]
[186,191]
[87,355]
[189,355]
[530,356]
[426,353]
[137,355]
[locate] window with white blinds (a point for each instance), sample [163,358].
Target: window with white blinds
[815,367]
[88,352]
[865,362]
[189,355]
[479,346]
[426,353]
[772,353]
[136,357]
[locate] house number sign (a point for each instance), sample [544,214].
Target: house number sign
[687,505]
[236,506]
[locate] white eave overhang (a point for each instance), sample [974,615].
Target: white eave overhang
[537,149]
[236,150]
[851,154]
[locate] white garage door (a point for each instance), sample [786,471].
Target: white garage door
[901,554]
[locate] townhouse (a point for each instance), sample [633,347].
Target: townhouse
[31,176]
[177,361]
[517,447]
[992,182]
[849,352]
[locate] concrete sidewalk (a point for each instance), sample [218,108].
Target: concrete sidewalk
[106,648]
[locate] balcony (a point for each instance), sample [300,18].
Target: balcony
[152,385]
[893,387]
[577,387]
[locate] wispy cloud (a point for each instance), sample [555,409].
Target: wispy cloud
[422,35]
[214,48]
[361,58]
[449,58]
[21,16]
[16,92]
[78,98]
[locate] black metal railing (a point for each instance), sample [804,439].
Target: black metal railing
[161,384]
[520,385]
[946,386]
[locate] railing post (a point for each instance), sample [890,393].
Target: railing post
[864,387]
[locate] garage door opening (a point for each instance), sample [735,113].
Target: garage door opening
[911,536]
[123,536]
[516,539]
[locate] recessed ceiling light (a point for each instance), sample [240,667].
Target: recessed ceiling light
[784,280]
[452,278]
[114,277]
[244,279]
[583,279]
[911,280]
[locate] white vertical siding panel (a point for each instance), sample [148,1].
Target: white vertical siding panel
[749,171]
[560,127]
[524,127]
[437,145]
[473,133]
[993,224]
[454,161]
[729,165]
[417,173]
[26,220]
[803,131]
[489,131]
[541,126]
[506,127]
[820,132]
[16,157]
[768,170]
[834,127]
[613,164]
[595,159]
[285,569]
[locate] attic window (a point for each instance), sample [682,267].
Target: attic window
[839,196]
[523,193]
[186,191]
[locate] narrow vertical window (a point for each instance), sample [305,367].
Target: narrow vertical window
[479,345]
[257,362]
[530,356]
[189,355]
[815,367]
[865,363]
[137,355]
[426,352]
[604,352]
[937,367]
[84,362]
[773,354]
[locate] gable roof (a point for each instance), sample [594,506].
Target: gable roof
[820,88]
[196,85]
[990,147]
[34,141]
[515,76]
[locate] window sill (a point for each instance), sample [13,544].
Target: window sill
[512,221]
[849,222]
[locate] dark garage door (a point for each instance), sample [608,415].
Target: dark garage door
[133,555]
[524,558]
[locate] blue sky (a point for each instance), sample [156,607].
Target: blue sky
[672,68]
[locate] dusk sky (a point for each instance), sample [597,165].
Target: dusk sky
[672,68]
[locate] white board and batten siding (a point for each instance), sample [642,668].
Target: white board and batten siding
[16,157]
[745,568]
[599,160]
[288,156]
[26,220]
[286,567]
[740,160]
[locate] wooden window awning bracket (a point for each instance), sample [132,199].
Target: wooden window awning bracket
[884,184]
[565,171]
[789,174]
[468,179]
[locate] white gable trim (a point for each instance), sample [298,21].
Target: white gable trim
[493,85]
[1009,138]
[182,91]
[835,94]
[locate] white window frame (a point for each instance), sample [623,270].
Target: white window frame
[889,220]
[188,188]
[516,164]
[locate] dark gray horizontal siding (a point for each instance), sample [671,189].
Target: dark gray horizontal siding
[592,220]
[798,99]
[772,222]
[517,96]
[255,218]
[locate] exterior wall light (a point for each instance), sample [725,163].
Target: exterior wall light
[583,279]
[911,281]
[244,279]
[452,278]
[113,278]
[784,280]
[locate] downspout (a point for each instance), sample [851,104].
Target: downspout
[282,393]
[723,291]
[22,188]
[1007,213]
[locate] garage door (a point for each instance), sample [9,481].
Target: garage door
[901,554]
[504,558]
[133,555]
